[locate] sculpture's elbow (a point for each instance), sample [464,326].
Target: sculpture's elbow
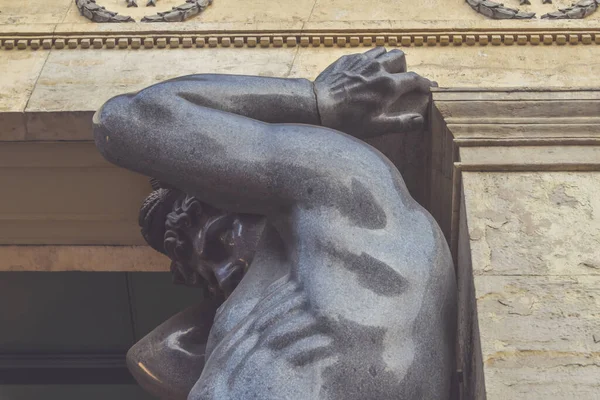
[110,130]
[101,134]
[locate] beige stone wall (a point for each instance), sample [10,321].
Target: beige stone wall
[50,95]
[535,240]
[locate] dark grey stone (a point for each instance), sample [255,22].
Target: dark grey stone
[334,282]
[168,361]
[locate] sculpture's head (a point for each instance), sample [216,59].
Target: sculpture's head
[208,247]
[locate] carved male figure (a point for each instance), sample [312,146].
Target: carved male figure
[351,292]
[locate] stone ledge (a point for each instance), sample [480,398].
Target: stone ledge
[82,258]
[301,39]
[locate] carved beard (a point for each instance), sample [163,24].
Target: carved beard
[210,248]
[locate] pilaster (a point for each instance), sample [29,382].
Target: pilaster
[517,174]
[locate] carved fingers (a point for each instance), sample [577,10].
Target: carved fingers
[372,94]
[379,61]
[374,53]
[382,68]
[284,299]
[411,82]
[280,323]
[399,123]
[393,61]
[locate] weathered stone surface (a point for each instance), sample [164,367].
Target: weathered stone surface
[17,81]
[538,223]
[303,11]
[93,79]
[465,66]
[33,12]
[534,239]
[544,157]
[537,335]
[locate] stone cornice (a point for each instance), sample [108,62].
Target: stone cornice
[228,36]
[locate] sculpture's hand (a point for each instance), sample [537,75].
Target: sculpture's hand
[371,94]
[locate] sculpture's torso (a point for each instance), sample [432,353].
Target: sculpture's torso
[339,308]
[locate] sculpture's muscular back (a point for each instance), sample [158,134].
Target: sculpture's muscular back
[348,306]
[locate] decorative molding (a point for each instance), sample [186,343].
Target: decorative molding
[483,141]
[495,10]
[489,8]
[96,13]
[507,130]
[304,39]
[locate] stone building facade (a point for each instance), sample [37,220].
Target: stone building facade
[510,166]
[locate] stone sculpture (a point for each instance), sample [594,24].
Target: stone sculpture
[331,282]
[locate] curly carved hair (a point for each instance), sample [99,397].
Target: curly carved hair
[184,216]
[153,214]
[163,218]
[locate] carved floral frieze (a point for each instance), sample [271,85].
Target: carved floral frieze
[97,13]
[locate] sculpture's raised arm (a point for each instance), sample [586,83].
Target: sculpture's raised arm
[266,99]
[238,163]
[207,130]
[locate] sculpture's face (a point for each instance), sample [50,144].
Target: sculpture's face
[210,247]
